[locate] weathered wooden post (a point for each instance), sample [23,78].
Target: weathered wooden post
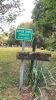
[34,43]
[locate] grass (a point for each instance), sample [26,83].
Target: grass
[9,71]
[9,67]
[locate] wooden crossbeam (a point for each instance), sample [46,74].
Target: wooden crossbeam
[34,56]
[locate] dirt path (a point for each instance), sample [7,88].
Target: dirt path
[26,94]
[15,94]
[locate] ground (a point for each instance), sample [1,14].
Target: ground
[15,94]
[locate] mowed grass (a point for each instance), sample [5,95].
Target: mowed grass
[9,67]
[9,71]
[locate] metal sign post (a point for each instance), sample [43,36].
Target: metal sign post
[22,66]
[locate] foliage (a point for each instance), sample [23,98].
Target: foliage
[43,76]
[44,11]
[11,39]
[44,17]
[9,10]
[29,25]
[40,41]
[25,25]
[54,42]
[1,40]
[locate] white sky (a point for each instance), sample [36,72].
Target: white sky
[26,16]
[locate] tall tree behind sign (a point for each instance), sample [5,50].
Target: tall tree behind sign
[44,15]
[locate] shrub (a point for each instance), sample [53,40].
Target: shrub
[43,76]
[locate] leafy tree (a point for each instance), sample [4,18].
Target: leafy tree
[45,11]
[9,10]
[30,25]
[1,40]
[54,42]
[11,40]
[25,25]
[44,17]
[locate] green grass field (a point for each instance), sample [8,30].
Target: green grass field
[9,72]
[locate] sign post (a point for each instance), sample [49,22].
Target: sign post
[23,35]
[22,67]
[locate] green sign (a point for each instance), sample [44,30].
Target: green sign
[23,34]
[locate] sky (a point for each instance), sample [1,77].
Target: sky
[28,5]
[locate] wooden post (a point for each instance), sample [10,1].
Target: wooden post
[32,60]
[22,67]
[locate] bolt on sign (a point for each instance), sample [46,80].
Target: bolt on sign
[23,34]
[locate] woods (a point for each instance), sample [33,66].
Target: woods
[44,17]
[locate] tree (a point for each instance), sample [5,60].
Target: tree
[25,25]
[1,40]
[44,12]
[44,17]
[54,42]
[11,39]
[50,11]
[9,10]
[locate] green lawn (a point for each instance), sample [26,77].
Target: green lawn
[9,73]
[9,69]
